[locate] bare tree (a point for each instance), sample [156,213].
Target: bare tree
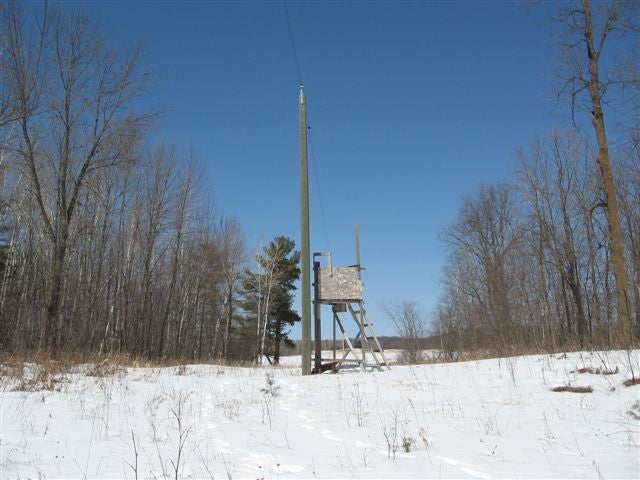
[553,179]
[485,235]
[112,248]
[153,221]
[233,258]
[629,193]
[7,106]
[183,208]
[560,285]
[411,325]
[73,98]
[584,71]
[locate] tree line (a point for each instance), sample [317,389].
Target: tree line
[551,258]
[108,241]
[109,244]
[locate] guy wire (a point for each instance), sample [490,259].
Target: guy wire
[311,146]
[317,178]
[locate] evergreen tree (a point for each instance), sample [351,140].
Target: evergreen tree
[268,298]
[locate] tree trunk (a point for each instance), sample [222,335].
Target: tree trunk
[50,331]
[604,163]
[229,319]
[277,341]
[597,308]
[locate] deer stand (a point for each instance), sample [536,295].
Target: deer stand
[341,287]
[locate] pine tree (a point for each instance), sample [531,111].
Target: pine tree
[268,298]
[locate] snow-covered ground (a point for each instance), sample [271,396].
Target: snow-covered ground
[392,356]
[481,419]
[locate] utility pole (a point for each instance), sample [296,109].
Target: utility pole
[305,258]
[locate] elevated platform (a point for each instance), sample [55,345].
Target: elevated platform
[341,287]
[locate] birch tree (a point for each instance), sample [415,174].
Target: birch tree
[73,97]
[268,296]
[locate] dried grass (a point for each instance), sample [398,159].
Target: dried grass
[598,371]
[46,376]
[572,389]
[105,368]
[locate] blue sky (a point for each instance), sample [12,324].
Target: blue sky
[411,105]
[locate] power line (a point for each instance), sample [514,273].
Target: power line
[317,178]
[293,43]
[311,146]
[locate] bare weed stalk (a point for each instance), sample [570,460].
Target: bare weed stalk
[183,434]
[134,467]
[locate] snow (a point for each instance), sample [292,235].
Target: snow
[483,419]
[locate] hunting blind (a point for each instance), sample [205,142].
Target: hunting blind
[341,288]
